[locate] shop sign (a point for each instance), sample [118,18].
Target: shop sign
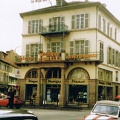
[78,81]
[53,81]
[104,83]
[49,56]
[81,56]
[101,82]
[26,58]
[29,81]
[108,83]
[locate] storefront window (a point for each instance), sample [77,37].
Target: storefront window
[78,93]
[78,88]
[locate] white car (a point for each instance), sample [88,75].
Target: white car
[105,110]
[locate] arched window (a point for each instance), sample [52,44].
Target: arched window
[78,73]
[32,73]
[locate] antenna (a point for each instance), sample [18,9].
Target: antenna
[50,2]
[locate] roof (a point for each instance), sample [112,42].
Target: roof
[71,6]
[5,113]
[7,61]
[108,102]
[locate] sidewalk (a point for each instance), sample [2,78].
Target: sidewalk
[52,106]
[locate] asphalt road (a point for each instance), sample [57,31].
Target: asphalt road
[50,114]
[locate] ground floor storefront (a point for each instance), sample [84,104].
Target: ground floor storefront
[75,87]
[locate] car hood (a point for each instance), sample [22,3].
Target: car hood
[99,117]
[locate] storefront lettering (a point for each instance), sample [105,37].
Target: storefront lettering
[49,56]
[82,56]
[108,83]
[53,81]
[101,82]
[33,81]
[78,81]
[27,58]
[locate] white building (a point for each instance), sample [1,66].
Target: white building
[70,50]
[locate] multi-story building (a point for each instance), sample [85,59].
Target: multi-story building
[8,73]
[71,53]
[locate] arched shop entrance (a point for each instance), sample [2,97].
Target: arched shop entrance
[78,86]
[31,84]
[53,77]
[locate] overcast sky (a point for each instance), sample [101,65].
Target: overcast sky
[11,23]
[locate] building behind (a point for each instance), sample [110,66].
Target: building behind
[71,53]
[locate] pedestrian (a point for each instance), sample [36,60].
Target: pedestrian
[11,98]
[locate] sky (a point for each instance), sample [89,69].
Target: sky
[11,22]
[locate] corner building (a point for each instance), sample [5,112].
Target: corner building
[71,54]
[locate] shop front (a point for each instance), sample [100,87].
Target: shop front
[105,90]
[78,92]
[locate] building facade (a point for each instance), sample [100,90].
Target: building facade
[71,54]
[8,73]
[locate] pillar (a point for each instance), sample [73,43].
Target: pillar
[62,99]
[39,97]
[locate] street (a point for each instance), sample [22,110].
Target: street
[45,114]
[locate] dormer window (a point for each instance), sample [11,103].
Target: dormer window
[60,2]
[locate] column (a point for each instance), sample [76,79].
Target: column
[62,99]
[39,97]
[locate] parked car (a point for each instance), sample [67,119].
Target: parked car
[105,110]
[17,114]
[17,102]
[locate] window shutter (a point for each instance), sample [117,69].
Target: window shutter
[29,27]
[27,50]
[71,47]
[86,46]
[48,47]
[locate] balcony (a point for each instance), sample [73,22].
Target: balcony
[55,30]
[61,57]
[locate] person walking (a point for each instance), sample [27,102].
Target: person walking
[11,98]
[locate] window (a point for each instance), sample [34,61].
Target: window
[32,74]
[32,50]
[104,75]
[111,32]
[116,75]
[34,26]
[56,24]
[115,34]
[99,23]
[100,74]
[110,54]
[101,51]
[108,75]
[108,29]
[104,25]
[82,47]
[54,73]
[55,46]
[80,21]
[71,47]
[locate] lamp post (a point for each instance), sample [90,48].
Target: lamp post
[16,48]
[14,53]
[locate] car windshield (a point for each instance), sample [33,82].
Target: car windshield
[105,109]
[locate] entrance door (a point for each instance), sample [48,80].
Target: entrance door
[53,92]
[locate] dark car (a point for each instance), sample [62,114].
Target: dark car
[17,114]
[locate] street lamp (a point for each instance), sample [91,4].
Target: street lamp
[16,48]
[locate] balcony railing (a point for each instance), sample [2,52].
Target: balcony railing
[53,56]
[50,29]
